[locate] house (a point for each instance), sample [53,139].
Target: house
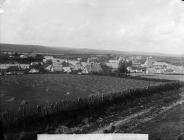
[49,68]
[14,68]
[77,67]
[57,67]
[73,62]
[151,70]
[138,57]
[84,64]
[114,66]
[158,70]
[21,66]
[67,69]
[23,56]
[24,66]
[163,67]
[15,72]
[31,55]
[149,62]
[8,52]
[113,61]
[169,71]
[33,70]
[160,65]
[58,60]
[92,59]
[47,58]
[4,66]
[36,63]
[176,69]
[79,59]
[117,60]
[136,62]
[92,68]
[135,69]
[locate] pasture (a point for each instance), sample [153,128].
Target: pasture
[38,89]
[174,77]
[40,103]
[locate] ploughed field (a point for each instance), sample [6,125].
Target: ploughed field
[37,89]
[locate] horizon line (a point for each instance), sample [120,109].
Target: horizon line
[107,50]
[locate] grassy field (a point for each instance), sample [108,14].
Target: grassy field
[169,125]
[39,103]
[47,88]
[177,77]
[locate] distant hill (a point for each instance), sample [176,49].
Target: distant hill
[55,50]
[65,50]
[51,50]
[33,49]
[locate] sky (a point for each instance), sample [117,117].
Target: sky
[125,25]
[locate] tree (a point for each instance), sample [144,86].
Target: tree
[122,68]
[65,64]
[16,55]
[39,67]
[13,68]
[106,69]
[39,57]
[49,62]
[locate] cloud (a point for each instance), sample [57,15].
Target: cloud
[1,11]
[144,25]
[1,4]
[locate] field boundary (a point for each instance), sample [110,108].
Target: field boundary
[63,109]
[155,112]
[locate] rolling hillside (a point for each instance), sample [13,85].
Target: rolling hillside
[67,50]
[53,50]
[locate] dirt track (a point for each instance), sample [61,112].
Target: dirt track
[140,118]
[161,122]
[167,125]
[128,118]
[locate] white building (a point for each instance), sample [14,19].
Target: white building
[73,62]
[57,67]
[23,56]
[24,66]
[49,68]
[21,66]
[47,58]
[34,71]
[67,69]
[149,62]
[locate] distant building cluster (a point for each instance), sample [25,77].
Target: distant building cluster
[15,63]
[153,66]
[50,64]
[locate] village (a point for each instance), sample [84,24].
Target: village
[24,63]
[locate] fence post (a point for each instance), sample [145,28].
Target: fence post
[102,97]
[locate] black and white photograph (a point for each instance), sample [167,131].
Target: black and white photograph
[92,69]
